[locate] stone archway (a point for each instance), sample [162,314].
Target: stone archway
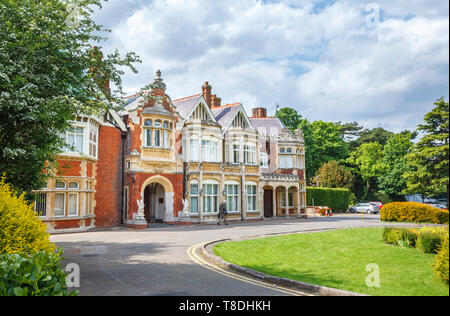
[158,196]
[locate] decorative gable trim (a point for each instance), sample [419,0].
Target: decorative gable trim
[201,109]
[240,118]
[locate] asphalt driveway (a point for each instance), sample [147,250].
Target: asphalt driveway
[155,262]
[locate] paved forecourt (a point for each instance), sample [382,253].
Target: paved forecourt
[164,260]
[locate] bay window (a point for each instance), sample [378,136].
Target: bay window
[93,143]
[250,154]
[194,198]
[74,140]
[232,193]
[236,154]
[251,197]
[194,148]
[209,151]
[60,204]
[210,198]
[157,134]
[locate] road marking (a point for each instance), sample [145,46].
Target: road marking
[192,253]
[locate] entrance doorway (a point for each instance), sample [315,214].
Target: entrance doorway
[154,198]
[268,203]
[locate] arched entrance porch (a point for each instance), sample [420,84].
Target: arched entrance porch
[158,196]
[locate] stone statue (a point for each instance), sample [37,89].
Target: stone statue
[141,206]
[185,206]
[185,216]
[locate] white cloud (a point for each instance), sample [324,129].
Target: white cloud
[323,60]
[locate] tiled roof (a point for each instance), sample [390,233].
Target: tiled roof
[184,106]
[268,125]
[226,113]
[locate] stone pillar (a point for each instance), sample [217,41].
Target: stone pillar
[274,198]
[287,201]
[299,212]
[243,195]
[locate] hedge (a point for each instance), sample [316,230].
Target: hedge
[413,212]
[428,240]
[21,230]
[441,261]
[336,199]
[404,237]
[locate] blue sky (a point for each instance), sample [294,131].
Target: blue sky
[381,63]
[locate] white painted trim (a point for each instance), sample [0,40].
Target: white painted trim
[241,110]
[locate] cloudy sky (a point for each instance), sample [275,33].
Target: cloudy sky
[380,63]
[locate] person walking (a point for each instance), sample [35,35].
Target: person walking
[223,212]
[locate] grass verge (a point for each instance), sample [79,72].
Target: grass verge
[338,259]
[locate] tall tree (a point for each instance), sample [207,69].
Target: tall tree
[378,135]
[394,164]
[323,143]
[334,175]
[430,157]
[49,73]
[349,131]
[290,118]
[367,160]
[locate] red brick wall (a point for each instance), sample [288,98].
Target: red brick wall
[109,178]
[69,168]
[89,170]
[67,224]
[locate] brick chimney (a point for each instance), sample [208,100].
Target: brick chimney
[259,113]
[215,101]
[206,91]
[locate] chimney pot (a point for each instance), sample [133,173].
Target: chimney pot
[259,113]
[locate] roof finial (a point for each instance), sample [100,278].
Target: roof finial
[158,73]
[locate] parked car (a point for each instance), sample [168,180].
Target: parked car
[442,202]
[428,200]
[378,204]
[364,208]
[442,207]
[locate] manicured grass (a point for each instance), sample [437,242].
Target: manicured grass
[338,259]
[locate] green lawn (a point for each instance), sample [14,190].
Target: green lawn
[338,259]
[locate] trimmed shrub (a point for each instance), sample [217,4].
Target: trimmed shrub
[413,212]
[400,236]
[336,199]
[40,274]
[441,261]
[428,242]
[21,230]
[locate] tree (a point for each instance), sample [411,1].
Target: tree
[379,135]
[394,164]
[367,160]
[349,131]
[49,74]
[334,175]
[430,157]
[323,143]
[290,118]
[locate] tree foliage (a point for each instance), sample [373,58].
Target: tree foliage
[367,160]
[394,164]
[49,73]
[334,175]
[290,118]
[430,157]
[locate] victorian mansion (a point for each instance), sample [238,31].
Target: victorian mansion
[160,152]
